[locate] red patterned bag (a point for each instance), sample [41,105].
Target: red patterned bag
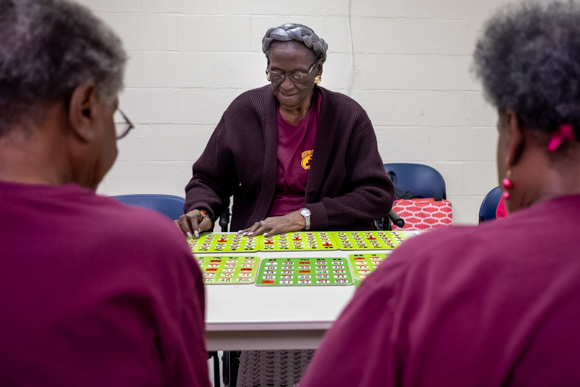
[423,214]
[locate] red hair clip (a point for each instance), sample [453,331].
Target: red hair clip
[564,132]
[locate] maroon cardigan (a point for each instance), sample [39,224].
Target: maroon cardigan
[347,185]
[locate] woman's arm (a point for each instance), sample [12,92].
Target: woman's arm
[369,191]
[213,182]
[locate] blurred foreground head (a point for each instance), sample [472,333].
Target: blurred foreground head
[61,69]
[528,60]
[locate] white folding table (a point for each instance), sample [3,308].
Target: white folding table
[250,317]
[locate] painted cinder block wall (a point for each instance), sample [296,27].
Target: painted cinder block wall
[407,62]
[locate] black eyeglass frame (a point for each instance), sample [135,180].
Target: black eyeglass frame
[128,123]
[291,75]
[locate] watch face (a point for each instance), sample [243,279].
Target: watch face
[305,212]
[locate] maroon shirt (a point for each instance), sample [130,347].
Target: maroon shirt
[95,293]
[295,152]
[493,305]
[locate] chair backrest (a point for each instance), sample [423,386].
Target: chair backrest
[420,179]
[489,205]
[169,205]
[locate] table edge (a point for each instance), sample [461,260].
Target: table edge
[268,325]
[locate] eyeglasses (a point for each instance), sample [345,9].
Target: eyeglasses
[295,77]
[122,124]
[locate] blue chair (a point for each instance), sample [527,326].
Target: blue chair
[420,179]
[169,205]
[489,205]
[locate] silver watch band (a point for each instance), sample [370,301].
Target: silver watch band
[305,212]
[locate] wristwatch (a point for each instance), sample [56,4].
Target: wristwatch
[305,212]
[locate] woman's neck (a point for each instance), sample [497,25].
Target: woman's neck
[541,176]
[38,157]
[294,115]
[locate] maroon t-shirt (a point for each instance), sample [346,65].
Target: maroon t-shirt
[295,152]
[95,293]
[491,305]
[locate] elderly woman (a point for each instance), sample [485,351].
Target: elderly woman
[498,304]
[294,155]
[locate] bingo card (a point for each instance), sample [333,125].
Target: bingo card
[369,240]
[228,270]
[304,271]
[364,264]
[223,242]
[299,241]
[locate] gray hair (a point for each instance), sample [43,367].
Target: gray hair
[47,49]
[298,32]
[529,60]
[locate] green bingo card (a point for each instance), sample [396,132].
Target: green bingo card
[369,240]
[223,242]
[228,270]
[364,264]
[304,271]
[299,241]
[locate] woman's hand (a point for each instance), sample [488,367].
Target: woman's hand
[290,222]
[194,222]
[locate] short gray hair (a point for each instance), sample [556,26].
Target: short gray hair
[298,32]
[529,60]
[47,49]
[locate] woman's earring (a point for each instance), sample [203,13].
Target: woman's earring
[268,77]
[317,80]
[508,184]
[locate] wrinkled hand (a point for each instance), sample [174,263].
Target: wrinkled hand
[194,222]
[290,222]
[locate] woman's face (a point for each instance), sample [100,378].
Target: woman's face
[109,152]
[103,150]
[287,58]
[501,148]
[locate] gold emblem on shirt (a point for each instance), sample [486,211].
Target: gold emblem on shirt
[306,158]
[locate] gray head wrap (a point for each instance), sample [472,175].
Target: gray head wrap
[298,32]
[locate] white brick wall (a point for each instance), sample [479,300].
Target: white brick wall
[190,58]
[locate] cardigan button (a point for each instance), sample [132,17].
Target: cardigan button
[312,192]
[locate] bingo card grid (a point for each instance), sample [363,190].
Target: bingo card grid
[368,240]
[304,272]
[365,264]
[228,270]
[223,242]
[299,241]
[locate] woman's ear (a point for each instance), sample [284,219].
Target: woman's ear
[515,138]
[82,111]
[319,66]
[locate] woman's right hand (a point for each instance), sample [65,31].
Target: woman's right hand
[194,222]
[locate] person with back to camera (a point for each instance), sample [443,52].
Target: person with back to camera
[295,156]
[497,304]
[93,292]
